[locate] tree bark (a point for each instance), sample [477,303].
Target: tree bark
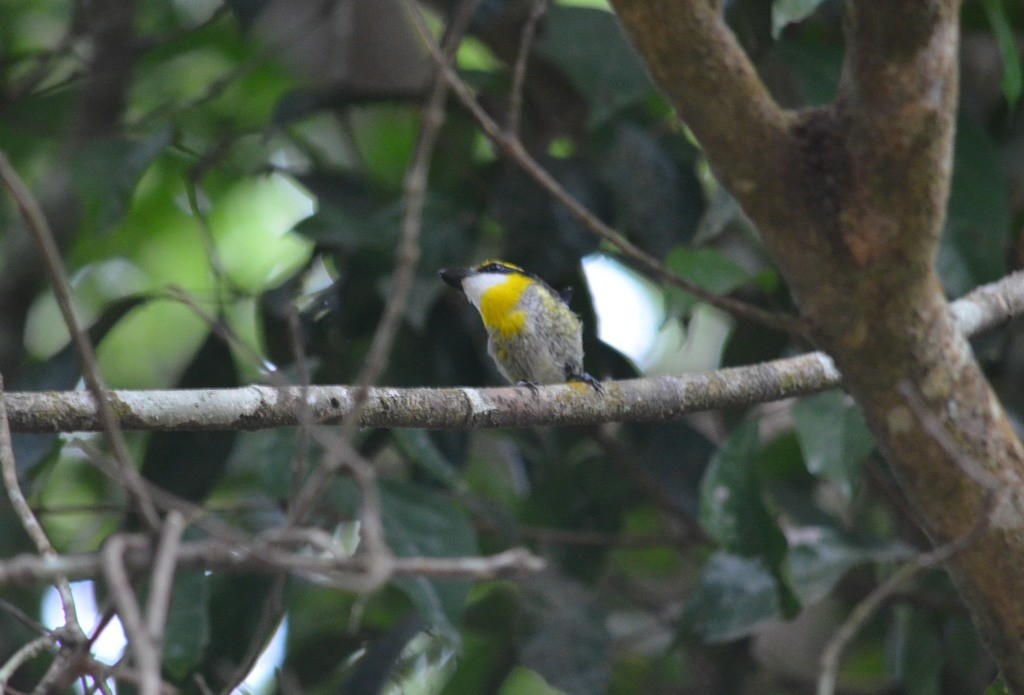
[850,199]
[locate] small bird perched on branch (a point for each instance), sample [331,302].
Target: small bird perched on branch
[533,336]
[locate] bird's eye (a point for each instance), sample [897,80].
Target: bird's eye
[494,268]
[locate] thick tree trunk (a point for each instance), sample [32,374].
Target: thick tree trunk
[851,201]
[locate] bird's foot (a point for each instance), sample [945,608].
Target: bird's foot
[587,379]
[528,384]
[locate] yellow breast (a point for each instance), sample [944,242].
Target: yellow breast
[498,306]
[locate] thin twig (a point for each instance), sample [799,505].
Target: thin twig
[647,484]
[221,278]
[380,560]
[44,64]
[509,145]
[102,673]
[24,654]
[167,501]
[863,611]
[161,586]
[226,333]
[515,97]
[23,617]
[144,650]
[37,225]
[29,521]
[414,193]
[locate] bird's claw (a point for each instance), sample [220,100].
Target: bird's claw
[528,384]
[587,379]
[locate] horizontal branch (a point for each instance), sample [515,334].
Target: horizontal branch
[29,569]
[648,399]
[262,407]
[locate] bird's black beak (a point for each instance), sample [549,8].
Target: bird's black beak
[455,276]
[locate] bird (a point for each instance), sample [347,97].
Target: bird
[532,334]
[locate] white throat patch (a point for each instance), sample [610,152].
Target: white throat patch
[475,285]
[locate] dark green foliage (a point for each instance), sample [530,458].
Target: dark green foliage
[189,464]
[670,546]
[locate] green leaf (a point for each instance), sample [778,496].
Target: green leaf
[706,267]
[105,173]
[815,67]
[589,47]
[385,134]
[523,681]
[709,268]
[1012,81]
[59,373]
[732,509]
[487,651]
[252,225]
[188,624]
[833,437]
[819,556]
[916,652]
[189,464]
[263,460]
[241,607]
[420,522]
[734,595]
[978,222]
[786,12]
[820,552]
[418,446]
[998,688]
[674,456]
[375,667]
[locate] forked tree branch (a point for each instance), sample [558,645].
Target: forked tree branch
[850,200]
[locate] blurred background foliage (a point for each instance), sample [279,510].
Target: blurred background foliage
[216,173]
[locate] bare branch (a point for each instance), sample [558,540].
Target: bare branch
[989,306]
[72,628]
[144,651]
[145,631]
[159,601]
[26,653]
[636,400]
[139,555]
[863,611]
[649,399]
[515,97]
